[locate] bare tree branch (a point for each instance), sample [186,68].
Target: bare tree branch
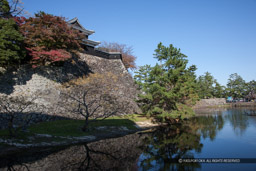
[90,105]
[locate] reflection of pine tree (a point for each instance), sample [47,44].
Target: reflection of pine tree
[238,120]
[178,141]
[174,142]
[208,125]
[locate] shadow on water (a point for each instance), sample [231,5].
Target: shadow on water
[109,154]
[23,159]
[159,149]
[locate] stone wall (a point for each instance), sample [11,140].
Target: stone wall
[46,83]
[124,85]
[210,102]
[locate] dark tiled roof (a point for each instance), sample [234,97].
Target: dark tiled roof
[81,28]
[91,42]
[74,23]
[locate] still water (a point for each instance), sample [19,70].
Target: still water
[222,134]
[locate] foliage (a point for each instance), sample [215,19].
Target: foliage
[11,41]
[205,83]
[236,86]
[49,39]
[142,76]
[126,51]
[11,8]
[208,87]
[166,84]
[4,8]
[251,90]
[182,112]
[219,91]
[95,79]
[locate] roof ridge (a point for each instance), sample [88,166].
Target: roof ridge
[76,20]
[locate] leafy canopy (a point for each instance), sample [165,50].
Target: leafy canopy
[4,8]
[11,8]
[251,90]
[167,86]
[236,86]
[49,39]
[11,41]
[208,87]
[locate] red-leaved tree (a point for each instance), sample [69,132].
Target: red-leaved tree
[49,39]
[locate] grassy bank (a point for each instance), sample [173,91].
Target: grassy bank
[70,130]
[73,127]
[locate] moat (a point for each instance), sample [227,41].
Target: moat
[217,134]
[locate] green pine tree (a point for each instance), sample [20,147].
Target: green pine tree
[206,86]
[11,40]
[169,86]
[4,8]
[236,86]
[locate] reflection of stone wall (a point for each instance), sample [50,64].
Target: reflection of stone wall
[209,111]
[110,154]
[210,102]
[45,82]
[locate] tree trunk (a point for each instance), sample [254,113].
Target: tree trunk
[85,127]
[10,127]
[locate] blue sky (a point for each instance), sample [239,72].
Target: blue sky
[218,36]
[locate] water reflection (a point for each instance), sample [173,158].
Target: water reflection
[238,119]
[178,141]
[110,154]
[208,126]
[155,150]
[166,144]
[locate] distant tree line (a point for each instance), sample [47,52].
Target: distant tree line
[237,87]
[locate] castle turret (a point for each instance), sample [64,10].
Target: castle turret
[89,45]
[74,23]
